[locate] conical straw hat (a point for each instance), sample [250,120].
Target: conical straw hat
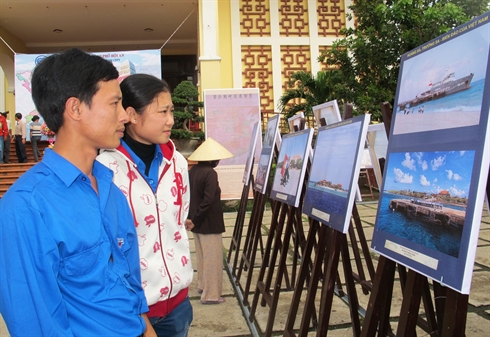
[210,150]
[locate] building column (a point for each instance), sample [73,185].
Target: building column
[209,58]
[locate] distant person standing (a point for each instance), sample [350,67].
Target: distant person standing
[206,221]
[6,146]
[3,136]
[20,138]
[35,135]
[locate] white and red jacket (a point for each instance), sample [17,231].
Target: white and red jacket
[166,269]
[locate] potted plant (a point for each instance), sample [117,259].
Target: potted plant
[186,109]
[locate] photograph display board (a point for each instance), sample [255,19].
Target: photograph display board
[431,201]
[229,118]
[335,171]
[126,62]
[291,167]
[296,121]
[329,111]
[377,145]
[271,138]
[251,154]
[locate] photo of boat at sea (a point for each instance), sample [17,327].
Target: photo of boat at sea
[431,224]
[456,110]
[442,87]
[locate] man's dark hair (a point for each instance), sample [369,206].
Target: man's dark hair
[139,90]
[58,77]
[18,115]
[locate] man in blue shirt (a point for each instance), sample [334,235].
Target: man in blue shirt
[69,263]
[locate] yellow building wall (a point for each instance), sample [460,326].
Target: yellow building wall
[7,64]
[224,43]
[260,43]
[9,103]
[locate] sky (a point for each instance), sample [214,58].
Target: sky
[335,154]
[430,172]
[294,144]
[459,55]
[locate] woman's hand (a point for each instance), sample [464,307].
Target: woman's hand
[149,332]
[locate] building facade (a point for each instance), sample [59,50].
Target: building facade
[260,43]
[241,44]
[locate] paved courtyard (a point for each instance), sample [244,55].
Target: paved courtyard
[228,319]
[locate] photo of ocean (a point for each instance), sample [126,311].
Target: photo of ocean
[444,239]
[326,199]
[334,172]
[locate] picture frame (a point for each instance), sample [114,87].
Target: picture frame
[436,170]
[272,138]
[251,153]
[229,117]
[296,122]
[291,167]
[377,146]
[329,111]
[331,191]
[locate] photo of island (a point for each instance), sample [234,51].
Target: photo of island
[334,172]
[425,197]
[442,88]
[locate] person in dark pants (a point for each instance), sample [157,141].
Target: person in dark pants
[36,135]
[20,138]
[6,147]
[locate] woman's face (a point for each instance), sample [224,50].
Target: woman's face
[154,124]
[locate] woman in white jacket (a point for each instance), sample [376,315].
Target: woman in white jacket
[153,177]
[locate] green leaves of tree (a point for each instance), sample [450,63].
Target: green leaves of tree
[368,57]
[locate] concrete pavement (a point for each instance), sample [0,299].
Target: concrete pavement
[228,319]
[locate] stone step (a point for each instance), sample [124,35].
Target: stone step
[30,157]
[9,173]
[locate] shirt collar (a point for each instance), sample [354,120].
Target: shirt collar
[67,172]
[136,159]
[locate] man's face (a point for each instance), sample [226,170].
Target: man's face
[103,122]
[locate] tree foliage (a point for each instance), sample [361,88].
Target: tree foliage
[184,98]
[368,58]
[305,91]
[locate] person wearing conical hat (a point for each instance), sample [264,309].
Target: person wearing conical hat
[205,219]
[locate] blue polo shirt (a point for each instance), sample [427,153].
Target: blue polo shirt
[69,261]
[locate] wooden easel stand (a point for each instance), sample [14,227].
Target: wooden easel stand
[238,228]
